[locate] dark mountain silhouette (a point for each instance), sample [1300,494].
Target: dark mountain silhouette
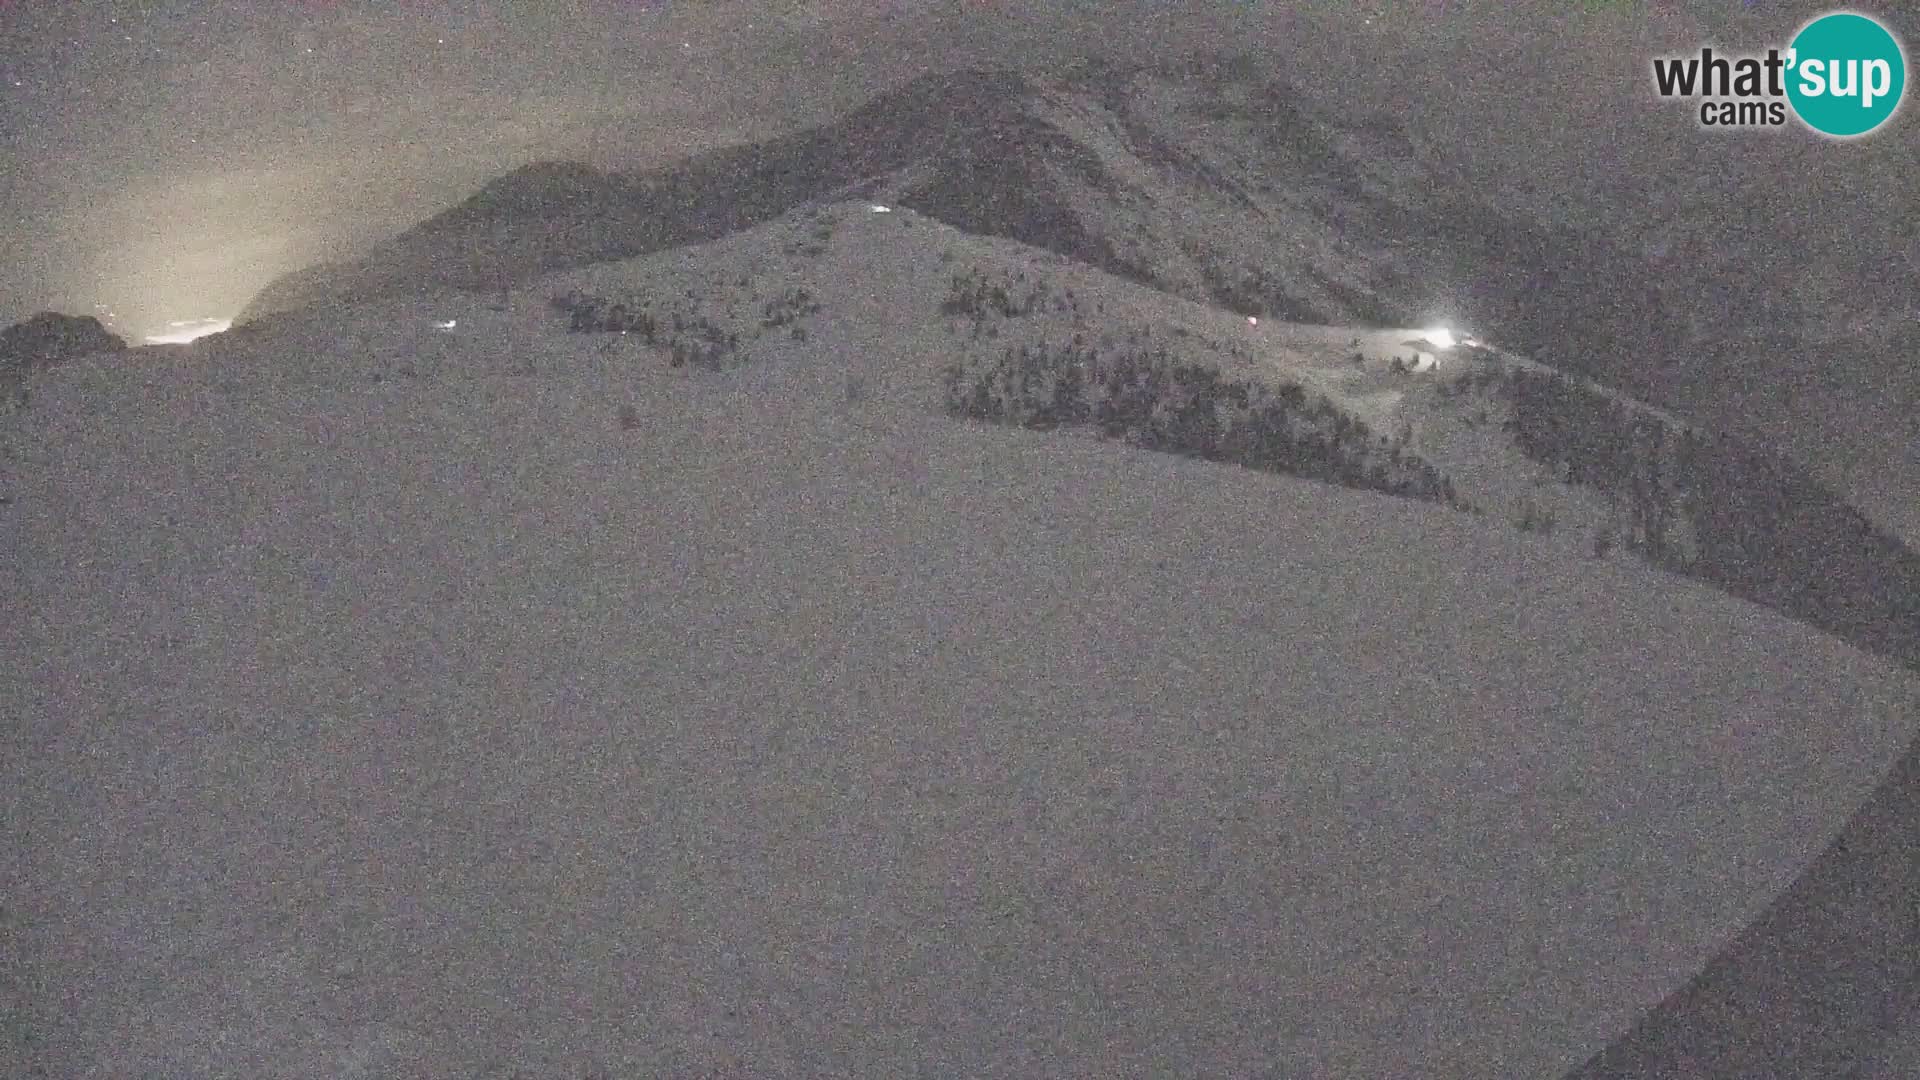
[49,338]
[1209,179]
[556,215]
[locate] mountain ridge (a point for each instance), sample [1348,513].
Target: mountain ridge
[1207,181]
[1027,337]
[1254,200]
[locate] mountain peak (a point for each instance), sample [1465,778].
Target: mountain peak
[51,337]
[1207,178]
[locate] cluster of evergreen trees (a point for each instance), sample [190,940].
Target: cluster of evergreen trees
[597,315]
[697,341]
[1644,467]
[788,307]
[1153,401]
[1250,291]
[1727,510]
[973,294]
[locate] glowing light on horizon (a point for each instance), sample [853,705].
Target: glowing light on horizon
[181,331]
[1440,337]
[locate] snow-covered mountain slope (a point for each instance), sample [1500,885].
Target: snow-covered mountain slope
[1217,181]
[410,699]
[896,304]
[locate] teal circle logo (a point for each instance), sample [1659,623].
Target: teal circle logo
[1846,74]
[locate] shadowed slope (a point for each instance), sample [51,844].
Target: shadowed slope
[1819,982]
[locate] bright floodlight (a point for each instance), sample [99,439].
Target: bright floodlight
[448,325]
[1441,337]
[878,209]
[181,331]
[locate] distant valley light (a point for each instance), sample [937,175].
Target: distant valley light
[1440,337]
[447,325]
[181,331]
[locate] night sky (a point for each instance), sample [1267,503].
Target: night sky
[165,160]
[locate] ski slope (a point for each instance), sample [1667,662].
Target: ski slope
[445,726]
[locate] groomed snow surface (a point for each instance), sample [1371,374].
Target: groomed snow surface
[448,727]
